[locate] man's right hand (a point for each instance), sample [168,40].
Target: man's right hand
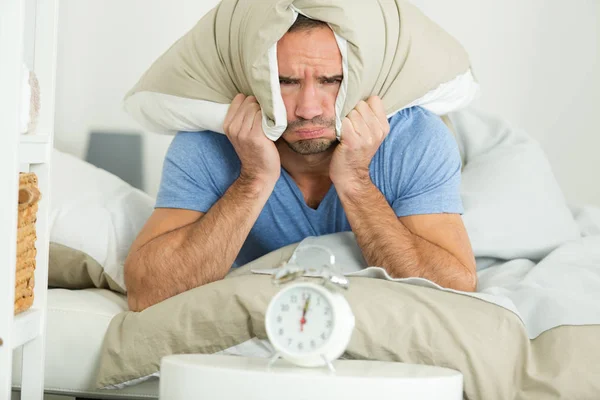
[258,155]
[178,250]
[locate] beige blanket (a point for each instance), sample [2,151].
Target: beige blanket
[395,322]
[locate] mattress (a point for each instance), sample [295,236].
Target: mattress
[77,322]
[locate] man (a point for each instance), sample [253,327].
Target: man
[226,200]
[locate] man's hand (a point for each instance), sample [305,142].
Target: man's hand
[258,155]
[178,250]
[363,131]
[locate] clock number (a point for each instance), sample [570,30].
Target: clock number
[329,324]
[281,332]
[285,307]
[327,310]
[279,319]
[289,342]
[300,346]
[323,336]
[304,295]
[313,344]
[318,301]
[294,299]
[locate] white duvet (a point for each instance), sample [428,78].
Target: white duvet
[561,289]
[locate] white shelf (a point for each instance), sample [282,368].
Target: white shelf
[35,139]
[26,327]
[20,153]
[34,149]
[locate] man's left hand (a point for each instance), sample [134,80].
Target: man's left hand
[363,131]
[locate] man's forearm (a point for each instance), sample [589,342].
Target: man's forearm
[198,253]
[387,243]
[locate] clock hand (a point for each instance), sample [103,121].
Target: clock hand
[303,320]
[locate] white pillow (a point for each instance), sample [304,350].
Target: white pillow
[96,212]
[514,206]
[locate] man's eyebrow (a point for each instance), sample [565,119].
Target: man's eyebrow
[340,76]
[322,77]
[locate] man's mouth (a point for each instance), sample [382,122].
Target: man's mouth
[310,133]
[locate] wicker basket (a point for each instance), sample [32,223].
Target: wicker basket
[29,197]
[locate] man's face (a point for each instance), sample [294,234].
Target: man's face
[310,73]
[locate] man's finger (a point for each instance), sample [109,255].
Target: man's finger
[233,109]
[348,133]
[250,99]
[250,111]
[360,125]
[240,111]
[257,122]
[370,119]
[379,110]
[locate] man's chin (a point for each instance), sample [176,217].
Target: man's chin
[311,146]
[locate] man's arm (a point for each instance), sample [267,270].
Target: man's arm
[435,247]
[178,250]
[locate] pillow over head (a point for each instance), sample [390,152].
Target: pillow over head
[389,49]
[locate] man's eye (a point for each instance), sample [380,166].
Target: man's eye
[333,81]
[286,82]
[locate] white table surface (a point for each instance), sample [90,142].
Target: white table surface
[207,377]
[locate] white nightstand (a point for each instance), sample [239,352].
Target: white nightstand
[198,376]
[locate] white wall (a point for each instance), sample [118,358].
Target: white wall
[104,47]
[537,62]
[538,65]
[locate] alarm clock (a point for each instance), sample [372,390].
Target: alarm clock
[309,324]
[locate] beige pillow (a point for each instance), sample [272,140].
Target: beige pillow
[394,322]
[73,269]
[389,49]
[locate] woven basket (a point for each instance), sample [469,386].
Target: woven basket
[29,197]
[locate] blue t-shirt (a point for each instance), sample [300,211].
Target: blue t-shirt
[417,168]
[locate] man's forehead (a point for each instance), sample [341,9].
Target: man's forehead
[316,48]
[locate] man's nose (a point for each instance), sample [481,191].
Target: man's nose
[309,104]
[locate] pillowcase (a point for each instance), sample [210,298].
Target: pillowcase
[95,212]
[73,269]
[388,48]
[394,322]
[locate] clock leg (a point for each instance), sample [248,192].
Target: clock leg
[328,363]
[272,360]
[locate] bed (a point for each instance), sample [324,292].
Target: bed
[531,331]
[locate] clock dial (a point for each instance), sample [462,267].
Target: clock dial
[302,320]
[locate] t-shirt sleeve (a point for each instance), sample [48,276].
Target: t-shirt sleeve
[187,182]
[430,174]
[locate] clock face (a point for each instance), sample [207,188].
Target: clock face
[301,320]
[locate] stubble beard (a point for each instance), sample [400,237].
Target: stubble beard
[311,146]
